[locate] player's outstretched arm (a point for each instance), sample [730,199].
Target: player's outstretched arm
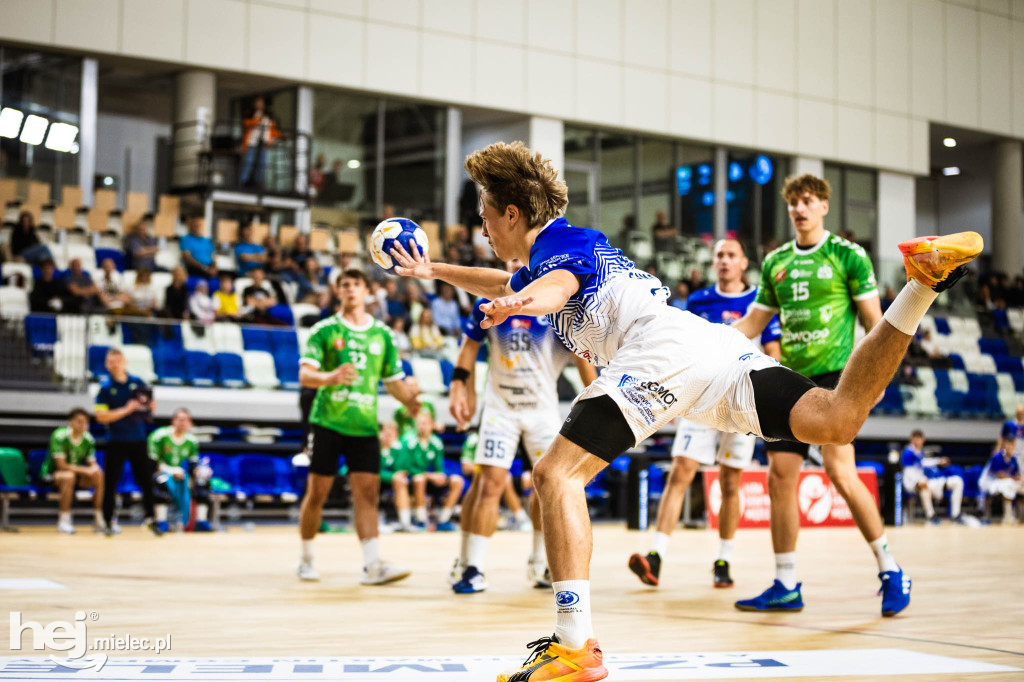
[462,392]
[754,322]
[545,295]
[404,393]
[484,282]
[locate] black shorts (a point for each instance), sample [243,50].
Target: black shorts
[776,391]
[598,426]
[362,453]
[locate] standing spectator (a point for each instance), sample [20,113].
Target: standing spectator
[140,248]
[666,237]
[72,463]
[142,295]
[49,293]
[83,294]
[259,132]
[446,311]
[1001,476]
[681,294]
[921,477]
[111,285]
[197,250]
[200,305]
[330,188]
[425,335]
[402,342]
[696,281]
[25,242]
[248,255]
[176,296]
[258,299]
[316,174]
[225,300]
[125,405]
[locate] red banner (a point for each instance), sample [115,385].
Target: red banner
[819,502]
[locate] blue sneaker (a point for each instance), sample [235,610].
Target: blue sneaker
[202,527]
[163,527]
[895,592]
[472,581]
[446,527]
[775,598]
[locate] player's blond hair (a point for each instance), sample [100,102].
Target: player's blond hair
[800,185]
[512,174]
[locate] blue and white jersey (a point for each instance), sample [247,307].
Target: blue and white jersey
[915,459]
[1014,430]
[612,294]
[526,359]
[714,305]
[999,464]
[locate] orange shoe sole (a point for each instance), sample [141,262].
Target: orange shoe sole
[638,564]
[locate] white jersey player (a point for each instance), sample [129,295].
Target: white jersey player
[520,403]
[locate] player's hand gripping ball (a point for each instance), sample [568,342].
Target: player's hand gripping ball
[396,230]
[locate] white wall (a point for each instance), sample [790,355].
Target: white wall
[115,134]
[846,80]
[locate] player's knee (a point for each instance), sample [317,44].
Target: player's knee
[63,478]
[780,484]
[729,480]
[955,483]
[456,482]
[543,473]
[682,471]
[399,480]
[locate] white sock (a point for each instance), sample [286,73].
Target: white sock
[421,514]
[521,515]
[886,562]
[371,551]
[572,612]
[910,307]
[956,495]
[1007,510]
[161,512]
[405,518]
[201,511]
[445,515]
[659,543]
[307,550]
[98,519]
[539,552]
[725,549]
[926,502]
[64,517]
[785,569]
[464,550]
[476,551]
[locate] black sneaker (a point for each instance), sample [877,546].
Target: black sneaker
[722,578]
[646,567]
[155,528]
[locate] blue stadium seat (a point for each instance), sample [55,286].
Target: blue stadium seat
[41,332]
[956,361]
[971,477]
[97,362]
[116,255]
[892,401]
[284,345]
[36,459]
[282,312]
[230,371]
[169,366]
[942,325]
[993,346]
[1009,364]
[283,341]
[447,370]
[407,367]
[260,475]
[255,338]
[1018,381]
[199,368]
[226,469]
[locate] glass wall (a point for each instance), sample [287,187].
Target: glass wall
[853,209]
[414,143]
[756,210]
[345,154]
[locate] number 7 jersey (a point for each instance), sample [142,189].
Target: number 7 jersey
[813,290]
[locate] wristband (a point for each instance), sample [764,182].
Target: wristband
[460,374]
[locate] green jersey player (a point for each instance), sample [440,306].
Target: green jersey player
[345,358]
[817,284]
[423,452]
[175,451]
[72,462]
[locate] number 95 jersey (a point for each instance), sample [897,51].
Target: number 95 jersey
[526,359]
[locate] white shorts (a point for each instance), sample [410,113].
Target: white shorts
[911,477]
[675,364]
[1007,487]
[706,445]
[502,428]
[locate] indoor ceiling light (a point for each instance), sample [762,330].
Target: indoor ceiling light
[10,122]
[949,142]
[61,137]
[34,130]
[951,170]
[353,164]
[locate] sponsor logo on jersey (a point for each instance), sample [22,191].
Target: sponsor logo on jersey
[659,392]
[375,348]
[795,315]
[796,273]
[805,336]
[825,271]
[339,343]
[826,313]
[780,275]
[731,315]
[521,323]
[745,356]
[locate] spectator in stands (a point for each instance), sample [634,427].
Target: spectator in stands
[1015,296]
[331,190]
[319,292]
[402,342]
[111,285]
[259,132]
[922,477]
[83,294]
[316,174]
[200,305]
[680,295]
[666,236]
[225,300]
[1002,476]
[125,405]
[140,248]
[936,358]
[457,237]
[281,266]
[415,299]
[1013,429]
[248,255]
[696,280]
[300,252]
[142,295]
[393,306]
[258,299]
[424,335]
[446,310]
[25,242]
[424,452]
[49,292]
[197,250]
[1000,320]
[72,463]
[888,297]
[394,473]
[176,295]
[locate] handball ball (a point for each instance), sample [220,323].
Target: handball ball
[388,232]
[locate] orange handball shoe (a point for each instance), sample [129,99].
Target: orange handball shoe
[552,662]
[938,262]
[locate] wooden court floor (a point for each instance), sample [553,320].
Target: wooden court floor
[236,594]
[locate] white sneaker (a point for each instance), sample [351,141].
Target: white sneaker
[455,575]
[381,573]
[537,573]
[65,527]
[307,572]
[525,526]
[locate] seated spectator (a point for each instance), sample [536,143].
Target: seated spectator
[83,294]
[681,294]
[424,335]
[176,453]
[394,473]
[25,242]
[1001,476]
[72,464]
[140,248]
[49,292]
[176,295]
[300,252]
[258,298]
[141,300]
[282,267]
[666,237]
[936,358]
[446,311]
[225,300]
[319,292]
[247,254]
[111,286]
[1013,429]
[197,250]
[922,477]
[200,305]
[424,453]
[402,342]
[393,306]
[406,422]
[414,299]
[457,237]
[316,174]
[696,281]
